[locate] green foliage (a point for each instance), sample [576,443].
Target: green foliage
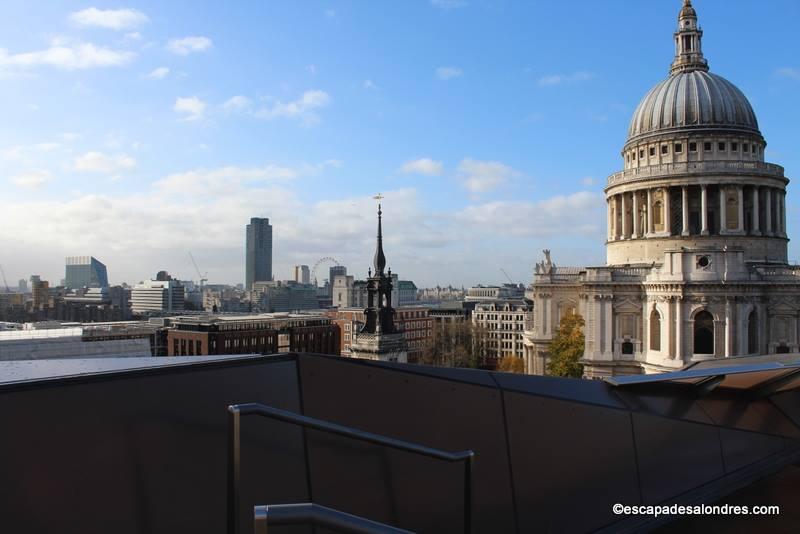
[567,348]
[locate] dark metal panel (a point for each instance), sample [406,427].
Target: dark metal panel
[472,376]
[789,404]
[572,463]
[673,403]
[591,391]
[674,456]
[759,416]
[740,449]
[143,451]
[406,491]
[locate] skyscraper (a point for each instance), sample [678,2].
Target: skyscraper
[258,261]
[85,271]
[302,274]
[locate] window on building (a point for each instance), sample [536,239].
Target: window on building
[633,154]
[655,330]
[678,148]
[707,146]
[641,154]
[665,149]
[721,146]
[652,151]
[734,147]
[745,147]
[692,147]
[752,332]
[704,333]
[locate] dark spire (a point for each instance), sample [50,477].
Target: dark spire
[379,262]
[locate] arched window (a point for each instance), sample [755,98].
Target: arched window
[627,347]
[704,333]
[655,330]
[752,333]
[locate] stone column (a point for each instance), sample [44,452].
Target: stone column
[723,212]
[649,212]
[635,214]
[703,210]
[728,328]
[610,232]
[667,344]
[624,213]
[608,310]
[768,212]
[740,193]
[678,328]
[756,215]
[782,207]
[685,210]
[667,212]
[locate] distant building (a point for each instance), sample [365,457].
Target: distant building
[252,334]
[41,292]
[75,341]
[301,274]
[417,327]
[504,321]
[336,270]
[85,271]
[22,285]
[283,297]
[406,292]
[157,296]
[486,293]
[258,252]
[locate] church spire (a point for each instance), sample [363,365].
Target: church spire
[379,262]
[688,42]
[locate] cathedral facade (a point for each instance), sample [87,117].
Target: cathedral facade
[697,263]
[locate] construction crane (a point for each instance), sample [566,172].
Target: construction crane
[509,278]
[203,279]
[5,282]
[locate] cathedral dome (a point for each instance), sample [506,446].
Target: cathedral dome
[693,99]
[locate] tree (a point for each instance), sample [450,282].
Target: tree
[567,347]
[511,364]
[454,344]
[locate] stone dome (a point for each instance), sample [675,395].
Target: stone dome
[693,99]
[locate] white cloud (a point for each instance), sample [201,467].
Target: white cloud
[447,73]
[788,72]
[187,45]
[238,104]
[448,4]
[133,36]
[577,213]
[32,179]
[303,108]
[74,56]
[193,107]
[159,73]
[114,19]
[104,163]
[556,79]
[425,166]
[482,176]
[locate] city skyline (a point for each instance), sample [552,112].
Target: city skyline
[485,145]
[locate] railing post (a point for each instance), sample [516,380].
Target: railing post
[234,468]
[468,493]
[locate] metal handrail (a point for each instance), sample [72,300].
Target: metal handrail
[235,411]
[321,516]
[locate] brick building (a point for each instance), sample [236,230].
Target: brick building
[265,334]
[412,321]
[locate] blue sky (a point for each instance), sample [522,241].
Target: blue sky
[139,131]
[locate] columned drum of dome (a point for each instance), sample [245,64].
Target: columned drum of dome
[694,172]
